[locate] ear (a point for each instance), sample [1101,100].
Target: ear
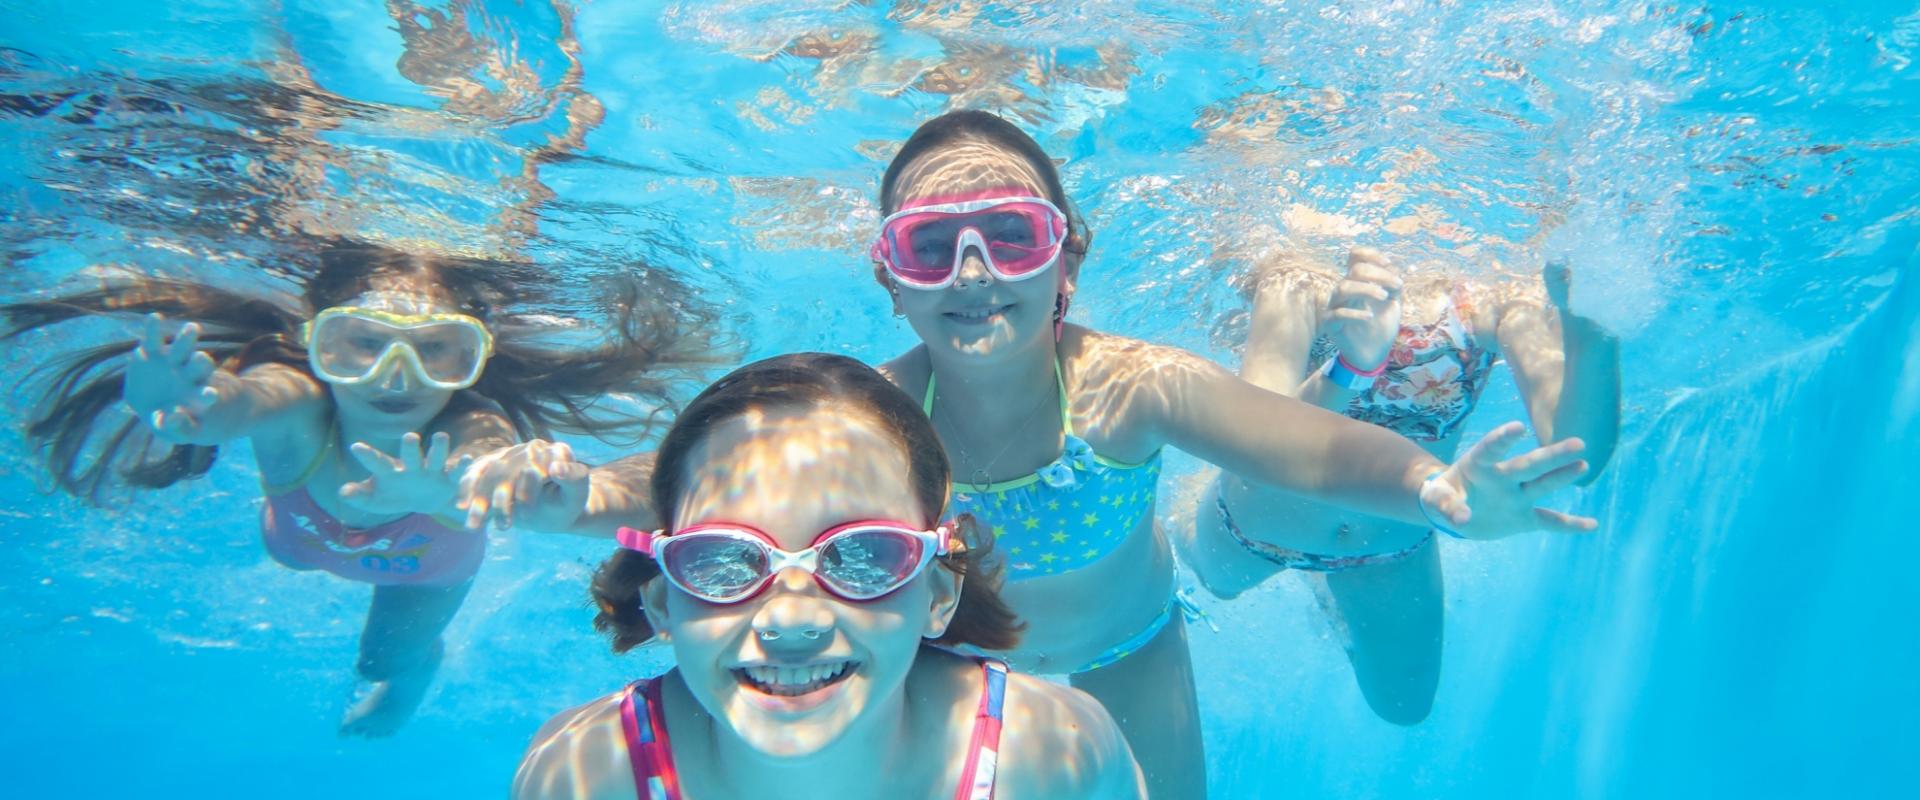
[881,276]
[1079,241]
[945,601]
[653,603]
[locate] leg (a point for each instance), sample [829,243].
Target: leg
[400,650]
[1391,618]
[1151,695]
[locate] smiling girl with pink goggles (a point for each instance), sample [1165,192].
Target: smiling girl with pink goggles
[1018,237]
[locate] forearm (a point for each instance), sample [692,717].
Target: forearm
[1338,461]
[1589,401]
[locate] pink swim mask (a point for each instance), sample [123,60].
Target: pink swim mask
[1018,237]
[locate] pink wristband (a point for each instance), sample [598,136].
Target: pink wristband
[1364,373]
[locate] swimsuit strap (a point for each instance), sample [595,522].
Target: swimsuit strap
[648,750]
[1059,380]
[326,449]
[983,752]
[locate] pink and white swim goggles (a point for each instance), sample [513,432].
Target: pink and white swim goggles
[726,563]
[1018,237]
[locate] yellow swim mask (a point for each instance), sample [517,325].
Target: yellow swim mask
[350,345]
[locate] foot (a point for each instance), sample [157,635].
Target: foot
[383,706]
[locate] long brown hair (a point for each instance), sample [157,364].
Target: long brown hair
[653,339]
[808,381]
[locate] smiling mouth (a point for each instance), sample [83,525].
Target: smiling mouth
[794,681]
[977,315]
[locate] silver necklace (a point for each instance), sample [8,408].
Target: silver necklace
[981,478]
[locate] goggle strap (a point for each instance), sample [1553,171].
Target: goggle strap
[638,540]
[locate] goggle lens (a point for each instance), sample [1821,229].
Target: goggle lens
[715,566]
[867,563]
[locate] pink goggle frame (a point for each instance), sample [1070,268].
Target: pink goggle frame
[1018,237]
[729,563]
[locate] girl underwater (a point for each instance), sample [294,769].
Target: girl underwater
[1341,344]
[384,350]
[805,576]
[1055,431]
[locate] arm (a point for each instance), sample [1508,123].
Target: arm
[1360,314]
[187,399]
[1570,381]
[539,485]
[1267,438]
[1276,440]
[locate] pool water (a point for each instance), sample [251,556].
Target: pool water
[1734,184]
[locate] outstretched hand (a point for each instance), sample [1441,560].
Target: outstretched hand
[167,382]
[1504,492]
[409,482]
[538,483]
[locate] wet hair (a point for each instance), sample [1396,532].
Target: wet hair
[829,384]
[965,125]
[651,343]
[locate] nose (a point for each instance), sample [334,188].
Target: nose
[796,616]
[396,379]
[973,267]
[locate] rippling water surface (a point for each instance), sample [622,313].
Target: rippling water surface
[1735,185]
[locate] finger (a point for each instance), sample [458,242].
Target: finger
[1365,255]
[154,343]
[409,454]
[1378,275]
[375,461]
[1350,315]
[356,489]
[1541,460]
[459,466]
[502,504]
[569,485]
[527,484]
[186,342]
[1447,501]
[199,367]
[1361,289]
[1560,522]
[1494,446]
[1555,481]
[438,453]
[477,504]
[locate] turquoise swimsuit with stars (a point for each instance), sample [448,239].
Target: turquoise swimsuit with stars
[1067,514]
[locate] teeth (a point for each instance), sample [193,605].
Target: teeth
[796,680]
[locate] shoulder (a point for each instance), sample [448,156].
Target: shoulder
[1058,742]
[580,753]
[909,370]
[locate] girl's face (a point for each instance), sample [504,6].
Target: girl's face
[396,398]
[978,315]
[793,668]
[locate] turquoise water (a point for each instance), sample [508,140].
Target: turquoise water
[1735,185]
